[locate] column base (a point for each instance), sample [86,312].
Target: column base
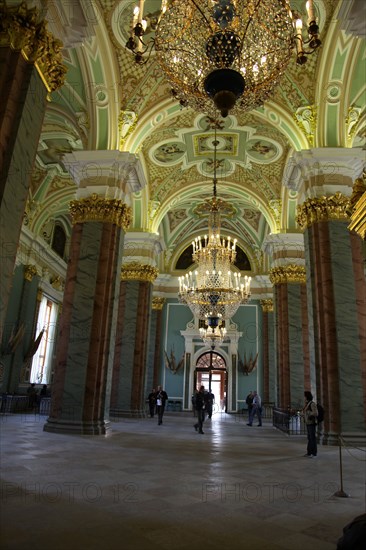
[127,413]
[97,427]
[357,439]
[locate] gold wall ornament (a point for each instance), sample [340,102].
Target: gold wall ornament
[135,271]
[99,209]
[158,303]
[267,305]
[358,207]
[22,29]
[30,271]
[314,210]
[275,207]
[305,118]
[290,273]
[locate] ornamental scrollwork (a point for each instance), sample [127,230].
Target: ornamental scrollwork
[158,303]
[291,273]
[135,271]
[267,305]
[314,210]
[22,29]
[99,209]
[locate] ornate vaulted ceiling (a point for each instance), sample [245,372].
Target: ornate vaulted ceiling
[111,103]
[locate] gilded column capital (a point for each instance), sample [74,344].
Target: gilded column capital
[30,271]
[158,303]
[315,210]
[135,271]
[97,209]
[358,207]
[22,29]
[267,305]
[290,273]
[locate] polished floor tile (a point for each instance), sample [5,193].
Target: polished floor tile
[162,487]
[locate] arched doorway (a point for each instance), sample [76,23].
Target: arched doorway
[211,372]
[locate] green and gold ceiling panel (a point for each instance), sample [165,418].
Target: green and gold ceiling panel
[55,205]
[342,72]
[73,93]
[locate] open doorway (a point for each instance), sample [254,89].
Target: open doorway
[211,372]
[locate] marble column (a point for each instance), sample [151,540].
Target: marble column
[269,372]
[292,333]
[337,298]
[81,386]
[31,67]
[154,358]
[132,337]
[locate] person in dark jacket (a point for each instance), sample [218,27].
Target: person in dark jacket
[201,407]
[152,402]
[161,398]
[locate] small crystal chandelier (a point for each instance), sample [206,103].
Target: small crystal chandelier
[225,55]
[214,333]
[214,289]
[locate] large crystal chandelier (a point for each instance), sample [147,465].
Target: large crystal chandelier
[214,290]
[225,55]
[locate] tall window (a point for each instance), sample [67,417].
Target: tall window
[42,359]
[59,240]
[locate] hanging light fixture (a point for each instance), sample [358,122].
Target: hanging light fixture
[215,289]
[214,333]
[225,55]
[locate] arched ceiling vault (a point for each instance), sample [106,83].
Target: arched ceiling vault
[109,102]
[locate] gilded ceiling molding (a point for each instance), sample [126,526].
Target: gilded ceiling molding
[22,30]
[275,207]
[127,122]
[97,209]
[267,305]
[305,118]
[314,210]
[158,303]
[290,273]
[30,271]
[135,271]
[358,207]
[352,120]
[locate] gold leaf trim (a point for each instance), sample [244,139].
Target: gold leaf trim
[22,30]
[97,209]
[158,303]
[267,305]
[291,273]
[138,272]
[30,271]
[314,210]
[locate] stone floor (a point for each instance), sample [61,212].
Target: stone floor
[154,487]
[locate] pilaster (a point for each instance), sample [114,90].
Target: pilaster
[269,374]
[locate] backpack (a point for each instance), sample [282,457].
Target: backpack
[320,416]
